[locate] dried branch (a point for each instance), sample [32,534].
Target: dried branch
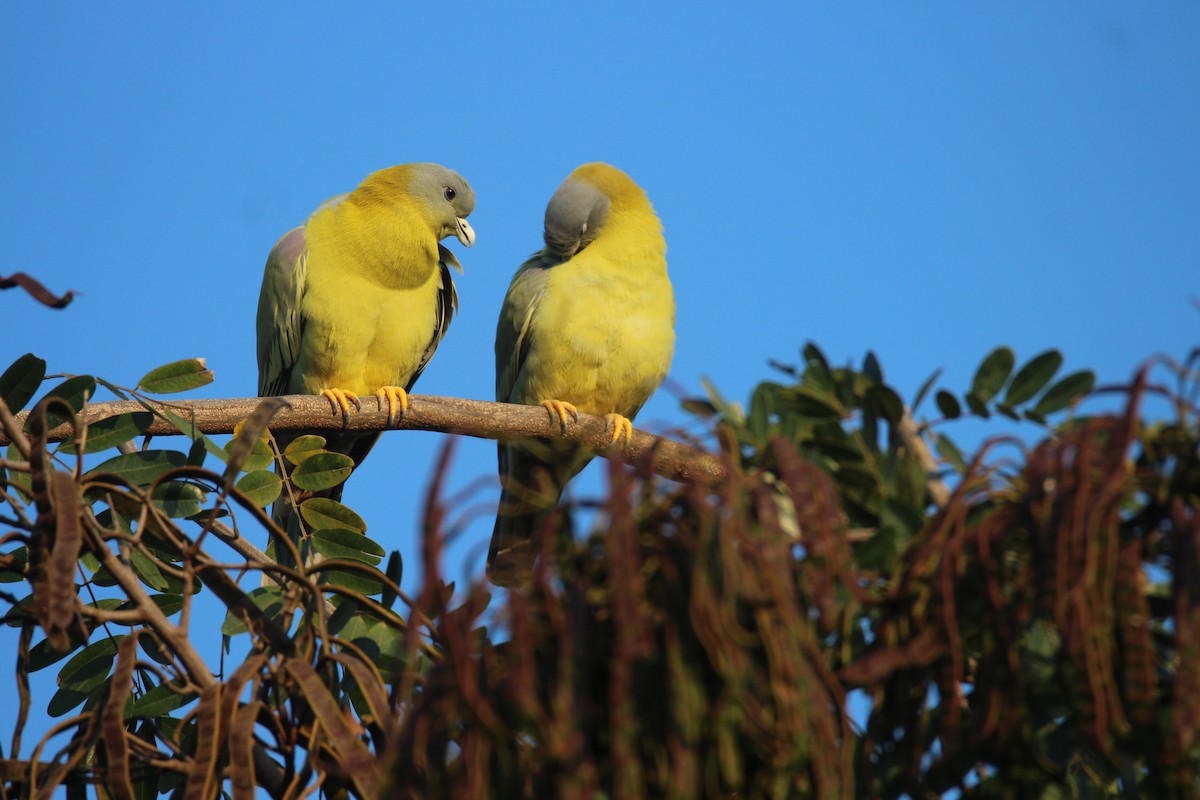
[36,290]
[501,421]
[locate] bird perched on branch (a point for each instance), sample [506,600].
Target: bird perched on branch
[588,325]
[355,301]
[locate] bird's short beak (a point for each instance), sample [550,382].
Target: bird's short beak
[465,233]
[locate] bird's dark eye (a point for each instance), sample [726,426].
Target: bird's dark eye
[449,193]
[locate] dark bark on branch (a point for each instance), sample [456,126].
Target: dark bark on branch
[501,421]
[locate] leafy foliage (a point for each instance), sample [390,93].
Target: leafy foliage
[858,610]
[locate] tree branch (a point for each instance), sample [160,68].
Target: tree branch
[501,421]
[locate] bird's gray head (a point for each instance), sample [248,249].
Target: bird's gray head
[449,196]
[574,217]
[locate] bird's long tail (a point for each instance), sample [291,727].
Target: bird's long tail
[531,488]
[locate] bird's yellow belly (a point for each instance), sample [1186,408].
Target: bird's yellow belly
[604,358]
[369,337]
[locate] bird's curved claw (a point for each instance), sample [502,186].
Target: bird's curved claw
[621,426]
[562,411]
[340,400]
[395,397]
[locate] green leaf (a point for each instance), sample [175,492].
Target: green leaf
[812,402]
[1033,377]
[354,581]
[851,386]
[66,699]
[1033,416]
[268,599]
[168,604]
[321,512]
[950,452]
[1067,391]
[42,655]
[161,700]
[302,447]
[730,412]
[836,445]
[83,674]
[762,408]
[948,404]
[817,367]
[347,610]
[880,551]
[1008,411]
[261,486]
[925,387]
[249,432]
[20,558]
[992,373]
[112,431]
[910,487]
[117,391]
[856,475]
[348,544]
[870,424]
[142,467]
[75,392]
[147,571]
[394,571]
[322,471]
[18,478]
[178,499]
[156,651]
[196,453]
[175,584]
[904,517]
[381,642]
[19,613]
[21,380]
[886,403]
[178,376]
[259,457]
[872,369]
[1040,646]
[699,407]
[188,428]
[977,405]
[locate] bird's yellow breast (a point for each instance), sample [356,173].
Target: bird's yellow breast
[604,333]
[370,300]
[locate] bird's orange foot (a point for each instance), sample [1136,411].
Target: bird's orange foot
[620,426]
[395,397]
[340,400]
[562,411]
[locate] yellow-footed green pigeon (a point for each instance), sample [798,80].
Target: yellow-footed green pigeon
[355,300]
[588,325]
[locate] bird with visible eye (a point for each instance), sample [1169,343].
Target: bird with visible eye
[588,325]
[355,301]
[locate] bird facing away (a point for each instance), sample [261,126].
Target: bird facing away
[356,300]
[588,325]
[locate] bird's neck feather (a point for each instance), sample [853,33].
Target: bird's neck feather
[388,243]
[633,233]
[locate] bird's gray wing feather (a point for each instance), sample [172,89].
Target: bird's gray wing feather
[280,323]
[513,331]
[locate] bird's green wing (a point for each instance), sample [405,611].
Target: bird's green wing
[280,325]
[516,324]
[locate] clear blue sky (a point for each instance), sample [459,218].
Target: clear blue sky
[924,180]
